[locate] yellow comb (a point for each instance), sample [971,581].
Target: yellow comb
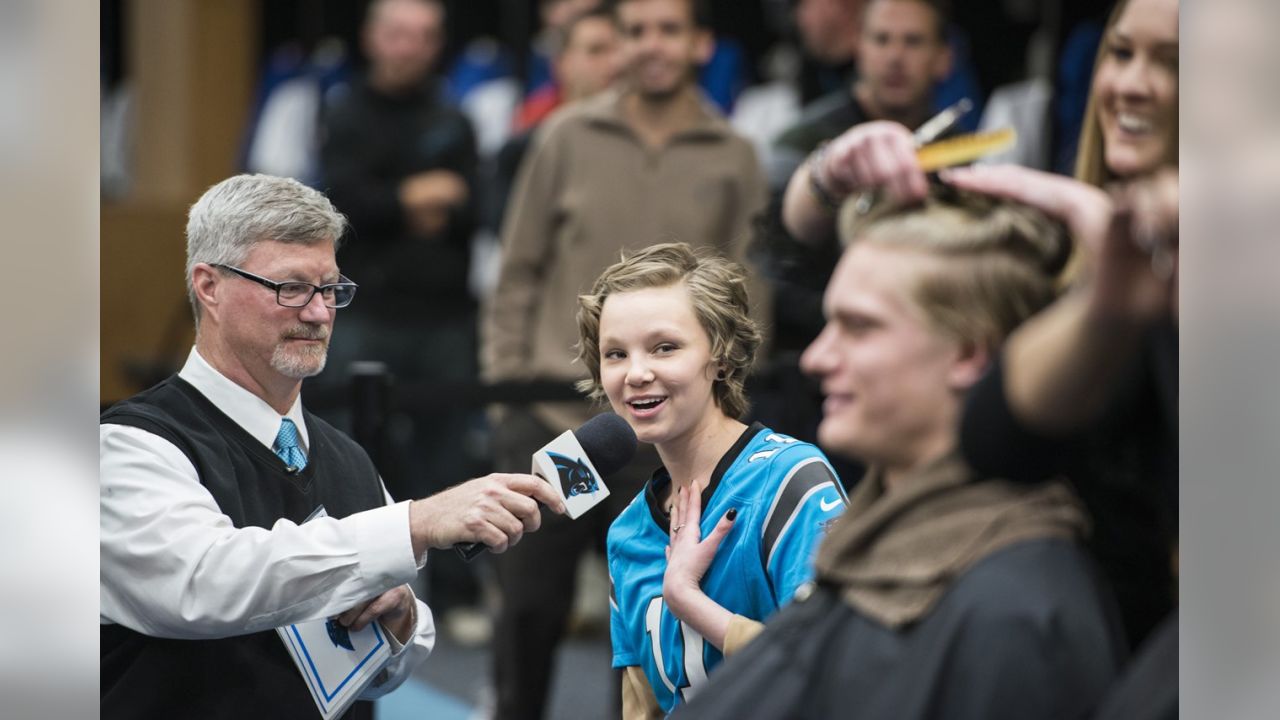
[964,149]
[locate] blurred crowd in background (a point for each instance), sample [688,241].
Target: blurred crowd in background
[494,62]
[439,129]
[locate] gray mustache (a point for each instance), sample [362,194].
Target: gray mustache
[308,332]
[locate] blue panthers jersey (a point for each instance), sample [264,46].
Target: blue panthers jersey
[786,495]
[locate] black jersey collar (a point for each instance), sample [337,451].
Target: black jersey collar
[661,478]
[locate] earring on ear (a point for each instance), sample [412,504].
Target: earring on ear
[722,375]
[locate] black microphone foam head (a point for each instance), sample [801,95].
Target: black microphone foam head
[609,442]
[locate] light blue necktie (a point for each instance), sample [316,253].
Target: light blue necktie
[287,445]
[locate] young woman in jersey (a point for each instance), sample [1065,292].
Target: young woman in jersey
[724,532]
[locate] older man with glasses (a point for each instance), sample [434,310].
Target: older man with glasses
[208,477]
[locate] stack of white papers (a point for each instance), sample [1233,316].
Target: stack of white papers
[336,663]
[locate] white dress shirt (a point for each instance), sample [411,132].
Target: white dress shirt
[174,566]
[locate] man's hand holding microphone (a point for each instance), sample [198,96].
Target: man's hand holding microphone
[495,510]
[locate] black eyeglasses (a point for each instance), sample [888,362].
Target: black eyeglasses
[296,294]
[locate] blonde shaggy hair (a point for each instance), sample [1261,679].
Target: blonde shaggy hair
[996,260]
[718,292]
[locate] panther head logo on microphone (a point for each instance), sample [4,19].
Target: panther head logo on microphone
[575,477]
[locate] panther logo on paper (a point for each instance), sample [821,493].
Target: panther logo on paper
[340,636]
[575,477]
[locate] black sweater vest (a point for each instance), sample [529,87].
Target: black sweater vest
[246,676]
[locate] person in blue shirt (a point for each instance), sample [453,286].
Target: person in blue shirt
[724,533]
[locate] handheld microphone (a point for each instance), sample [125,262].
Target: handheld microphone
[576,463]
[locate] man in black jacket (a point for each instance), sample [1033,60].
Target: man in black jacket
[400,163]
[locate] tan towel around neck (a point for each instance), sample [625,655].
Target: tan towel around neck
[894,555]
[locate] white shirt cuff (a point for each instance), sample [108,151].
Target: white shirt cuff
[385,546]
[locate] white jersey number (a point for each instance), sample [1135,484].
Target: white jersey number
[695,670]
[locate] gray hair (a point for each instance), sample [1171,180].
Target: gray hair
[241,211]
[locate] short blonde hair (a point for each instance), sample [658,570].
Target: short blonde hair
[996,260]
[718,292]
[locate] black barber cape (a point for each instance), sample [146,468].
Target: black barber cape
[1024,633]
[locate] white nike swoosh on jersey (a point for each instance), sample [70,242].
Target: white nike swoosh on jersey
[828,507]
